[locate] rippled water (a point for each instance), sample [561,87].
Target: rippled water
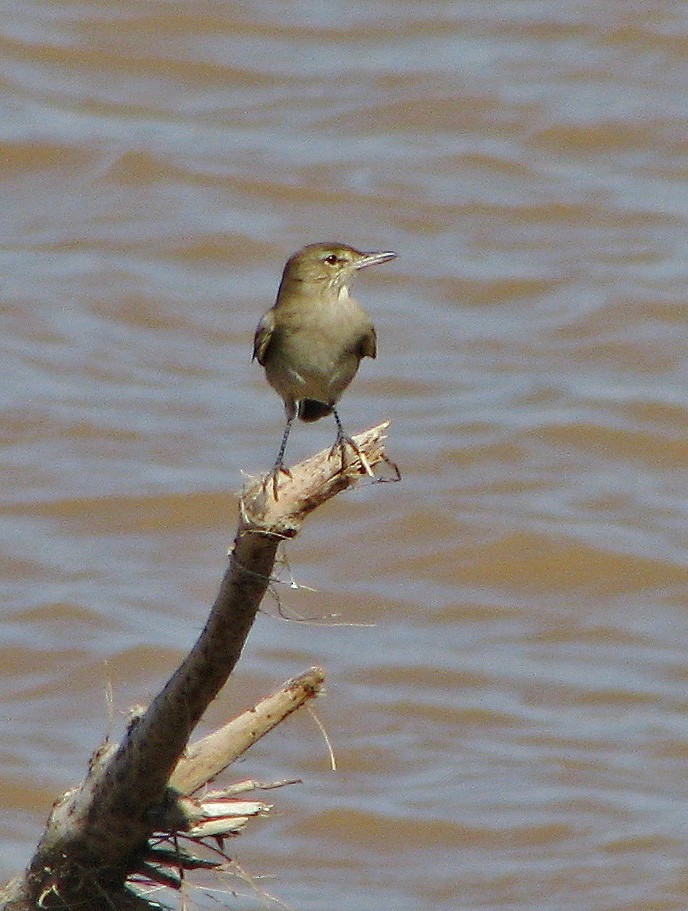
[512,731]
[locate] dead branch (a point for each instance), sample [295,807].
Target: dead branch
[206,758]
[98,833]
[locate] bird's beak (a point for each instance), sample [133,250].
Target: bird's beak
[372,259]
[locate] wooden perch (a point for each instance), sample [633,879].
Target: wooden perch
[98,833]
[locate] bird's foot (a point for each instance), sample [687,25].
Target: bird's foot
[270,479]
[341,443]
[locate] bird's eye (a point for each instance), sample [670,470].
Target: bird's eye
[331,260]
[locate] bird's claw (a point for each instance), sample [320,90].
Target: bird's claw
[341,443]
[272,476]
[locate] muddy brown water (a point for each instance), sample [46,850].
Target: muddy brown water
[505,633]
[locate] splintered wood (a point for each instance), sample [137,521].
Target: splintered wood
[310,483]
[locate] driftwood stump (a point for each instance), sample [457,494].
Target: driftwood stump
[101,834]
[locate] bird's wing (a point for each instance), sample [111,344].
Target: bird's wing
[262,337]
[368,347]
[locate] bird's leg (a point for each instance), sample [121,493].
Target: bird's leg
[278,467]
[343,441]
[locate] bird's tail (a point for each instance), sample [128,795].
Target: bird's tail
[312,410]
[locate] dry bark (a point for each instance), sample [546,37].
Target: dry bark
[98,833]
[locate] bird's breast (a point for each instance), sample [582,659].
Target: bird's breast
[315,350]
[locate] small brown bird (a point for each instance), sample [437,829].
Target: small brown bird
[312,341]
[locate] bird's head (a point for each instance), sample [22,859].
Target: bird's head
[329,266]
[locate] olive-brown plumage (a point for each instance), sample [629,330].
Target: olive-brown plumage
[313,339]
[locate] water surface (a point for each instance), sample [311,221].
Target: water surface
[511,731]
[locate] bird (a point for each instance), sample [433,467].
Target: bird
[313,339]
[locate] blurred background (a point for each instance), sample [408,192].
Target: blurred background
[505,632]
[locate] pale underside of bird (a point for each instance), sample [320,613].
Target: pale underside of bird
[313,339]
